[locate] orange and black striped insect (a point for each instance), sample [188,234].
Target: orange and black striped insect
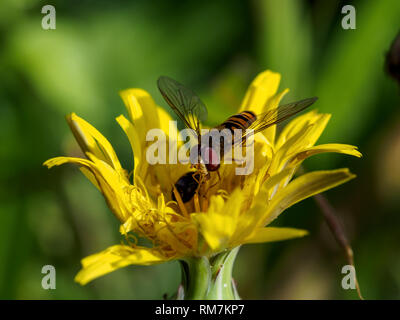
[192,111]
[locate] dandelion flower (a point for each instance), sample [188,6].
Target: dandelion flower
[205,233]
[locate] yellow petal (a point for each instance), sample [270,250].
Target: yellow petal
[323,148]
[262,96]
[263,87]
[113,258]
[295,143]
[270,234]
[137,146]
[113,187]
[255,214]
[273,103]
[109,181]
[219,223]
[293,160]
[314,121]
[142,110]
[145,115]
[91,140]
[272,183]
[303,187]
[57,161]
[164,119]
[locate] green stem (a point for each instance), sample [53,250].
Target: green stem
[204,281]
[223,287]
[196,277]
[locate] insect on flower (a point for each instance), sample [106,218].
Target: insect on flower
[192,111]
[210,228]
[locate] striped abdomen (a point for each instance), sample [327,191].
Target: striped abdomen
[241,121]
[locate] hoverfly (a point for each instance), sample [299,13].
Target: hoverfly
[192,111]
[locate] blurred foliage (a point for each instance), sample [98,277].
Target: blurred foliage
[216,47]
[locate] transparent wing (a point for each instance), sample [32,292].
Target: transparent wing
[185,103]
[277,115]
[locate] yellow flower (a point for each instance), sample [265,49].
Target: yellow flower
[231,211]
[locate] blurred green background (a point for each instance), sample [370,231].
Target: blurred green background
[216,47]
